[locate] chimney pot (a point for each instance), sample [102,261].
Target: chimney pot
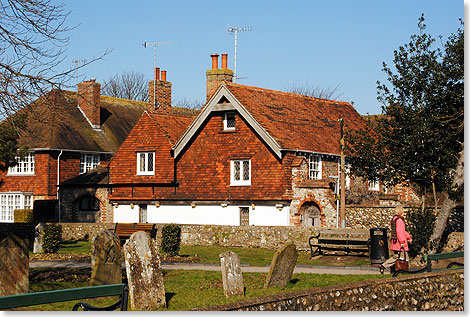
[157,73]
[163,75]
[224,61]
[215,60]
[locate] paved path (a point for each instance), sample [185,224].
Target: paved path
[215,267]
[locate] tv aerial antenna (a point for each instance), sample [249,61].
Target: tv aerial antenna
[234,31]
[155,44]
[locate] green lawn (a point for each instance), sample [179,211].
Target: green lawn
[251,256]
[191,289]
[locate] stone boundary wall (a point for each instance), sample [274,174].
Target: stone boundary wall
[207,235]
[436,291]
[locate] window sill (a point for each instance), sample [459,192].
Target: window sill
[21,174]
[240,184]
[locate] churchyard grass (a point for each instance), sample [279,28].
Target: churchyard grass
[188,289]
[210,254]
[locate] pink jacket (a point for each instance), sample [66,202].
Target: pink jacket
[402,235]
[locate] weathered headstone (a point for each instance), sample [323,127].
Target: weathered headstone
[106,259]
[144,272]
[282,266]
[231,274]
[38,235]
[14,266]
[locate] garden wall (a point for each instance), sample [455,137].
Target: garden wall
[434,291]
[207,235]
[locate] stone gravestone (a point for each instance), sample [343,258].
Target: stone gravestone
[282,266]
[231,274]
[38,235]
[106,259]
[14,266]
[144,272]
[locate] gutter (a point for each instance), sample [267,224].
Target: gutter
[119,185]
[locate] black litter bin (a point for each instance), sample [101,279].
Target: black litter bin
[378,245]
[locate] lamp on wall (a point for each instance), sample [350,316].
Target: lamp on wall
[253,206]
[224,205]
[279,206]
[193,205]
[157,204]
[132,205]
[115,205]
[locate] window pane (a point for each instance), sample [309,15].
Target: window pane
[236,170]
[246,170]
[142,162]
[150,162]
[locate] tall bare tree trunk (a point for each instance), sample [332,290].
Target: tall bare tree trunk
[447,206]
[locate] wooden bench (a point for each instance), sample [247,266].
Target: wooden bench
[348,240]
[71,294]
[434,257]
[125,230]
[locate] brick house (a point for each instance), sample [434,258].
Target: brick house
[67,134]
[251,156]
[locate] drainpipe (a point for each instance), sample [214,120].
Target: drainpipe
[58,180]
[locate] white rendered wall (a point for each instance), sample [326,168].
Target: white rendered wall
[124,213]
[185,214]
[269,216]
[204,215]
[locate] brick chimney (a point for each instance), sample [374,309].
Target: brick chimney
[89,101]
[215,75]
[162,100]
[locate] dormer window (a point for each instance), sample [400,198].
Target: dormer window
[229,121]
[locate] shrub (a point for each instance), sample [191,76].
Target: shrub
[171,239]
[23,215]
[420,226]
[52,238]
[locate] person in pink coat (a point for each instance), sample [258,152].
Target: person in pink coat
[399,239]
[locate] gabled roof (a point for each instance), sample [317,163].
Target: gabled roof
[285,121]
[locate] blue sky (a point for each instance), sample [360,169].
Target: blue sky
[323,43]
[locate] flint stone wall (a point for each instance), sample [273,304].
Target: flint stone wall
[436,291]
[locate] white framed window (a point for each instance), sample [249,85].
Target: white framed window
[374,186]
[229,121]
[145,163]
[88,162]
[24,165]
[12,201]
[314,167]
[240,172]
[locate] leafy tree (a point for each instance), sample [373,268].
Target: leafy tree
[419,136]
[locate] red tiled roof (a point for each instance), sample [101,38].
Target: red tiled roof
[172,125]
[295,121]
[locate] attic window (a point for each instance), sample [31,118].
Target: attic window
[229,121]
[145,163]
